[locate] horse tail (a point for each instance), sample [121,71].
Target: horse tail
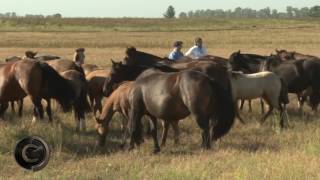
[224,112]
[57,87]
[283,98]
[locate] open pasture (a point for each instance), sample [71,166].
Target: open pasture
[249,151]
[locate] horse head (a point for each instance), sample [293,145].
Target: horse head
[30,54]
[284,54]
[119,72]
[271,62]
[238,62]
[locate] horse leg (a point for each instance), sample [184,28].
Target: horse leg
[238,115]
[175,127]
[136,127]
[283,115]
[125,131]
[48,109]
[165,128]
[262,105]
[300,103]
[99,104]
[3,108]
[155,135]
[91,99]
[20,103]
[241,104]
[13,110]
[263,119]
[203,123]
[250,107]
[37,110]
[148,128]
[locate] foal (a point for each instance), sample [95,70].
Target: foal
[263,84]
[118,101]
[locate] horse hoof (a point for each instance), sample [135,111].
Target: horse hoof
[121,146]
[156,150]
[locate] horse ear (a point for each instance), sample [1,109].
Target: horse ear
[277,50]
[113,63]
[238,52]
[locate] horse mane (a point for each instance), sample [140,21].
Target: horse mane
[141,58]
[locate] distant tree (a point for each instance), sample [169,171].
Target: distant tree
[170,13]
[274,13]
[304,12]
[183,15]
[190,14]
[314,11]
[290,11]
[58,15]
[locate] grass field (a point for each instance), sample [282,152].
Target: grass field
[249,151]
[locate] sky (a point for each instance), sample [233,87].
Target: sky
[137,8]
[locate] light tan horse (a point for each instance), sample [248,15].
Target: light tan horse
[62,65]
[88,68]
[95,81]
[118,101]
[266,85]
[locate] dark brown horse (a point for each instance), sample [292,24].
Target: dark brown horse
[38,80]
[298,74]
[285,55]
[135,57]
[174,96]
[80,102]
[120,73]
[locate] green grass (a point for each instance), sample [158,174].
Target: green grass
[148,25]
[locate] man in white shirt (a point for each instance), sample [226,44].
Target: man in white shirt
[197,51]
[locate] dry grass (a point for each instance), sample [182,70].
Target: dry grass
[248,152]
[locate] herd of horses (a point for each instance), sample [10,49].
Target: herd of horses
[207,89]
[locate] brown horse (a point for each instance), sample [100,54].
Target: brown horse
[174,96]
[95,81]
[118,101]
[38,80]
[120,73]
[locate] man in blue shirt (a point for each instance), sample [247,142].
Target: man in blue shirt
[176,54]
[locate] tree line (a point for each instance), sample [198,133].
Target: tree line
[291,12]
[14,15]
